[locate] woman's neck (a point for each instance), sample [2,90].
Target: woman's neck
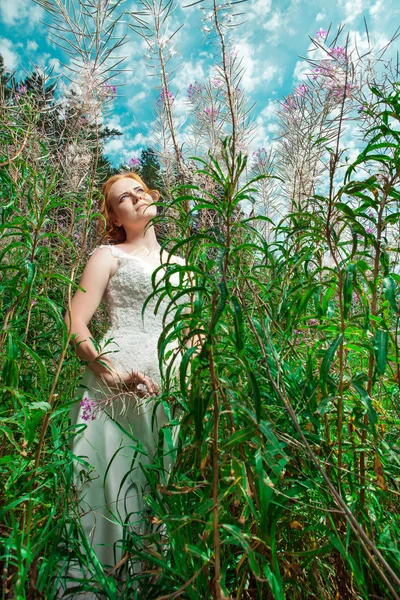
[148,241]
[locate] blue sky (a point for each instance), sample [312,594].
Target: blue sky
[270,43]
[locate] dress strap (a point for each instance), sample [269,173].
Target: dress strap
[113,249]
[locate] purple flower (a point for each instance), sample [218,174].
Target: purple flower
[339,52]
[163,96]
[134,162]
[321,34]
[301,90]
[216,82]
[371,214]
[369,230]
[193,89]
[339,91]
[290,103]
[22,89]
[317,71]
[110,90]
[211,112]
[87,407]
[312,321]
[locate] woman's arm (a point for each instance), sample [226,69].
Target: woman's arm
[94,280]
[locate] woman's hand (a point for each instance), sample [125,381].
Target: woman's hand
[129,381]
[133,379]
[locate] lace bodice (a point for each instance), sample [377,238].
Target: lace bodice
[128,289]
[124,297]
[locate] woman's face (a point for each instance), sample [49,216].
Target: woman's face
[130,203]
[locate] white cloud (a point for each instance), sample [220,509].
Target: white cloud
[132,102]
[124,147]
[270,110]
[320,17]
[56,65]
[351,9]
[274,22]
[32,45]
[257,9]
[11,58]
[376,10]
[300,70]
[189,72]
[15,11]
[255,70]
[114,146]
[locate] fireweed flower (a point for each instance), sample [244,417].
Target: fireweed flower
[22,89]
[301,90]
[317,71]
[216,82]
[163,96]
[321,34]
[339,52]
[260,155]
[211,112]
[369,230]
[193,89]
[338,91]
[134,162]
[290,104]
[110,90]
[87,409]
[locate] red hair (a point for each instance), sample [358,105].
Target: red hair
[111,232]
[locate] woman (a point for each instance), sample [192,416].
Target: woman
[118,405]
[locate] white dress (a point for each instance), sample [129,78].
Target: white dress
[115,492]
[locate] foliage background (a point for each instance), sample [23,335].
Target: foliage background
[286,475]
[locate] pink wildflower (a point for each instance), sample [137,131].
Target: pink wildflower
[211,112]
[110,90]
[163,96]
[321,34]
[301,90]
[193,89]
[339,52]
[134,162]
[87,408]
[290,103]
[216,82]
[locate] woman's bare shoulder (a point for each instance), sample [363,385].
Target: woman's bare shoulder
[103,257]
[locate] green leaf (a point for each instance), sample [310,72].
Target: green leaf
[381,346]
[348,289]
[238,437]
[40,364]
[366,400]
[256,394]
[238,322]
[328,359]
[389,287]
